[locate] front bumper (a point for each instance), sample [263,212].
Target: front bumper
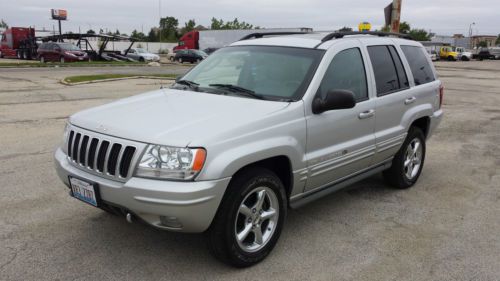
[193,203]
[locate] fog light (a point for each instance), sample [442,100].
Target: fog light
[172,222]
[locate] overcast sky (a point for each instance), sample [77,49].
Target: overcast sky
[439,16]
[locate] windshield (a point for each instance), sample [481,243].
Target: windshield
[69,47]
[141,51]
[271,72]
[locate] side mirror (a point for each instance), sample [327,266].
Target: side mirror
[335,99]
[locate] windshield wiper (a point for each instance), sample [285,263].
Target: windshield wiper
[190,84]
[238,89]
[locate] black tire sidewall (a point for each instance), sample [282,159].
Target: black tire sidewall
[222,229]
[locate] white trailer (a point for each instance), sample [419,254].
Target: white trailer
[220,38]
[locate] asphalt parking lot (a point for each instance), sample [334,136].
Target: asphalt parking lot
[445,228]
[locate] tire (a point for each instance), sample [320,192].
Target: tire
[141,59]
[403,176]
[18,55]
[198,61]
[180,60]
[42,59]
[172,59]
[450,58]
[464,58]
[239,213]
[62,60]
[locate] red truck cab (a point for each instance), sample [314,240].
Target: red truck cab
[188,41]
[12,40]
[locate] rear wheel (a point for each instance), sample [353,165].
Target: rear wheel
[408,162]
[42,59]
[250,218]
[62,60]
[180,60]
[141,59]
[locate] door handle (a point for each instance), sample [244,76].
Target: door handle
[410,100]
[366,114]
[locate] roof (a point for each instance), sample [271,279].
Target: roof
[308,40]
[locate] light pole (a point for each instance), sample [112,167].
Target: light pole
[159,13]
[470,34]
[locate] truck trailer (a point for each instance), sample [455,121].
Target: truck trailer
[215,39]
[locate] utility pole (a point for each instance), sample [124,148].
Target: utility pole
[470,35]
[396,15]
[159,12]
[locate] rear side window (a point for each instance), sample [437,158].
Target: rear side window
[419,65]
[346,72]
[389,72]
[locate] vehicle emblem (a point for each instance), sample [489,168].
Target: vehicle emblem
[102,128]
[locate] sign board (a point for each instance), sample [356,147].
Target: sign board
[59,14]
[388,15]
[364,26]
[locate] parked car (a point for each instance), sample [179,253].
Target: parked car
[484,54]
[171,55]
[447,53]
[432,55]
[191,56]
[142,55]
[258,127]
[61,52]
[495,52]
[462,53]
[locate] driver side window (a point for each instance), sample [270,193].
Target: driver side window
[346,72]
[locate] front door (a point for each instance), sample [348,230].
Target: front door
[341,143]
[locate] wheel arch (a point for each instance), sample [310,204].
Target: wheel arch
[422,123]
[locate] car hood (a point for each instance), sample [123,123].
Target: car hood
[175,117]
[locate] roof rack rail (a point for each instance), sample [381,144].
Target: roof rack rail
[257,35]
[337,35]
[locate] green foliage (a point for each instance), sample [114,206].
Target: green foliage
[188,26]
[139,35]
[90,31]
[152,36]
[386,28]
[420,35]
[404,27]
[235,24]
[168,29]
[345,29]
[3,24]
[483,44]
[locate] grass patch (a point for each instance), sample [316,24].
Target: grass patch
[87,78]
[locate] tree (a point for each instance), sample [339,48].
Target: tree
[404,27]
[420,35]
[153,35]
[168,27]
[235,24]
[345,29]
[483,44]
[3,24]
[385,28]
[188,26]
[90,31]
[138,35]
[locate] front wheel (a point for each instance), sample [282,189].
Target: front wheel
[62,60]
[408,162]
[180,60]
[250,218]
[42,59]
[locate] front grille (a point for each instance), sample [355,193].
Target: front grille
[100,154]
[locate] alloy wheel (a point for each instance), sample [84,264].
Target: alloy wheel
[256,219]
[413,158]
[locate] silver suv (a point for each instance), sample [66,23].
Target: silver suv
[266,124]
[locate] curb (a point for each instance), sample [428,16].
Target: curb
[114,79]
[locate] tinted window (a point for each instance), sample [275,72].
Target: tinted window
[346,72]
[419,65]
[400,70]
[387,77]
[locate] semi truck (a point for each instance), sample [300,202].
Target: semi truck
[18,42]
[215,39]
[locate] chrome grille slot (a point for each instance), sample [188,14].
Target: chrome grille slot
[102,155]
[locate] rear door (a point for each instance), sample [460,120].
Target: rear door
[394,97]
[341,143]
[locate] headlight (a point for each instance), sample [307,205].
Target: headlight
[64,145]
[168,162]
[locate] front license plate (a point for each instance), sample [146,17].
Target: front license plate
[84,191]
